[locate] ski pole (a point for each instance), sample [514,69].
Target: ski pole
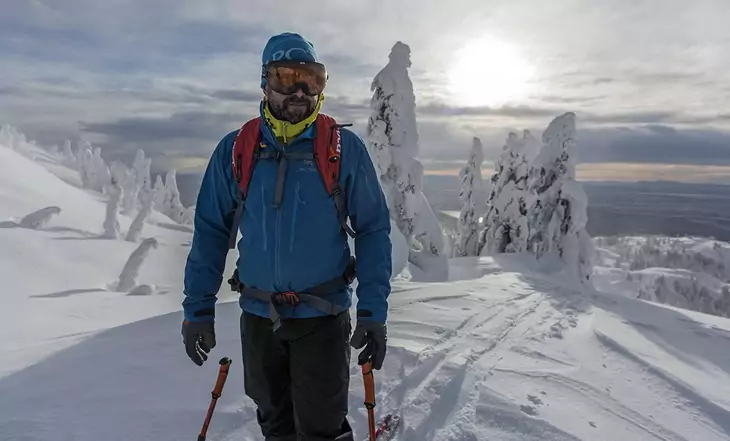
[369,381]
[225,363]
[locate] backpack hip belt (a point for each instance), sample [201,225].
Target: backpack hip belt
[311,296]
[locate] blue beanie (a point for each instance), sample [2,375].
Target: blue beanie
[286,46]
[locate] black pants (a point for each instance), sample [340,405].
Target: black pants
[299,376]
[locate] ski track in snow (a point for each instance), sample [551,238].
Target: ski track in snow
[513,354]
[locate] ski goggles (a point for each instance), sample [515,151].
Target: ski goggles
[286,77]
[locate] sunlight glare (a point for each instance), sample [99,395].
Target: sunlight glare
[488,72]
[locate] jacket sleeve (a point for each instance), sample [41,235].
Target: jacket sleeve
[214,211]
[370,219]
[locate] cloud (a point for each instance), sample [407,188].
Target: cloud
[644,82]
[531,113]
[630,172]
[614,172]
[443,109]
[654,144]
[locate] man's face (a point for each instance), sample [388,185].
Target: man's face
[293,108]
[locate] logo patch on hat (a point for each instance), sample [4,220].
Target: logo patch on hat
[288,54]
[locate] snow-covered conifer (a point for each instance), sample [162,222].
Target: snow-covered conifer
[505,225]
[128,276]
[159,194]
[69,158]
[101,171]
[111,221]
[174,208]
[472,202]
[135,229]
[558,214]
[85,160]
[392,136]
[141,166]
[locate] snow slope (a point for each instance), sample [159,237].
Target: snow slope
[688,272]
[504,351]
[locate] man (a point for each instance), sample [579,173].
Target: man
[296,356]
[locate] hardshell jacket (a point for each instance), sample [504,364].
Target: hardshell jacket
[294,245]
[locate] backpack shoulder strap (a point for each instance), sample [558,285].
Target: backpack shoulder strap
[243,158]
[328,155]
[245,148]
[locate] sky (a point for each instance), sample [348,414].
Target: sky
[647,79]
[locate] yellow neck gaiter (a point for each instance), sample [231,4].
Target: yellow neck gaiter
[286,131]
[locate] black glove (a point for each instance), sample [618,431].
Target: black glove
[199,339]
[372,335]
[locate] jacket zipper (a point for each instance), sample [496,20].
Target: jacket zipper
[277,257]
[277,254]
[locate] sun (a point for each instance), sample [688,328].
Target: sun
[488,72]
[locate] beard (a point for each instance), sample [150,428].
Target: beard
[291,108]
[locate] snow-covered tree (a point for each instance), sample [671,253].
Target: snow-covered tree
[557,216]
[128,276]
[69,158]
[392,137]
[472,202]
[505,225]
[40,218]
[141,166]
[135,229]
[12,138]
[159,194]
[174,207]
[85,167]
[93,171]
[111,221]
[188,217]
[101,171]
[166,198]
[126,179]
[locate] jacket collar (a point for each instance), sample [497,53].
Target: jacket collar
[286,134]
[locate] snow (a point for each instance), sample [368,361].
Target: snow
[39,218]
[692,273]
[507,349]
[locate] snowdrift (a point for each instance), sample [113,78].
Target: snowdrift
[511,352]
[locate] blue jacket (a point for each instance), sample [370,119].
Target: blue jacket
[300,244]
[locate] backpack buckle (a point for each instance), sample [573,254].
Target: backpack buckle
[289,298]
[235,282]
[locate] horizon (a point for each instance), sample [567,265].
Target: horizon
[648,85]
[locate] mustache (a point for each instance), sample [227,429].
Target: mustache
[295,100]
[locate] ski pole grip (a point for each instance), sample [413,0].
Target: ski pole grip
[222,375]
[369,381]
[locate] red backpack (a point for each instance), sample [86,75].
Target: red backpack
[248,149]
